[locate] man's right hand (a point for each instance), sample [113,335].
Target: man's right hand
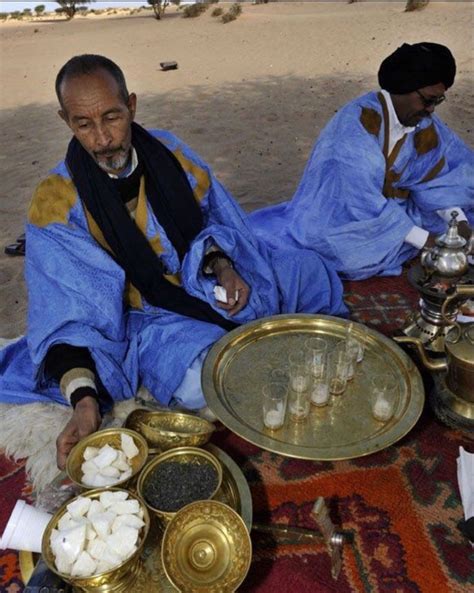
[430,242]
[85,420]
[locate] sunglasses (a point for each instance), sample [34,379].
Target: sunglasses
[431,102]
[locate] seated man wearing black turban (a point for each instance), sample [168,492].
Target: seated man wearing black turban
[385,175]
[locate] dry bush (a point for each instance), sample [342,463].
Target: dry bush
[217,11]
[194,10]
[234,11]
[415,5]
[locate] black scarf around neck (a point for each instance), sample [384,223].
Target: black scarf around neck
[172,200]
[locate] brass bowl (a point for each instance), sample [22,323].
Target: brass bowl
[206,548]
[167,430]
[116,580]
[181,455]
[109,436]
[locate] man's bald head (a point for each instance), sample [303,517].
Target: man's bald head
[87,64]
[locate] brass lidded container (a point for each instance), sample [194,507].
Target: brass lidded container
[112,437]
[117,580]
[180,455]
[165,430]
[206,548]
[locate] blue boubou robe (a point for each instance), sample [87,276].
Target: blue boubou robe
[355,203]
[78,295]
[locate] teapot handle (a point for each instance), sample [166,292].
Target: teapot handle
[458,292]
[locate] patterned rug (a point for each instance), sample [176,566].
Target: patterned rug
[401,506]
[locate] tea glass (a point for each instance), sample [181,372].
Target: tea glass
[356,342]
[320,388]
[274,400]
[316,349]
[339,363]
[298,404]
[383,396]
[299,372]
[352,348]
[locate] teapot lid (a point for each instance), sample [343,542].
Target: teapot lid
[451,238]
[459,342]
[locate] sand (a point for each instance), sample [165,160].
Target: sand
[250,96]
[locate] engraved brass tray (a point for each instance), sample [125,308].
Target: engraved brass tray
[152,578]
[240,363]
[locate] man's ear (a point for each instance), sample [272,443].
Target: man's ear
[63,115]
[132,104]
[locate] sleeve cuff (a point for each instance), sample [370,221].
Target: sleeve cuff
[417,237]
[446,214]
[76,379]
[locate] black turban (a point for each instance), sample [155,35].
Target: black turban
[413,67]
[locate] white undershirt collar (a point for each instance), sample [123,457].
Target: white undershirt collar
[396,129]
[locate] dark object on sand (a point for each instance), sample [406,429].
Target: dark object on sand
[17,248]
[173,485]
[169,66]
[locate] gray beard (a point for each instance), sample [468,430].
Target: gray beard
[115,163]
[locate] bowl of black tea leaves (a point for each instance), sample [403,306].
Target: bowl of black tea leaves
[177,478]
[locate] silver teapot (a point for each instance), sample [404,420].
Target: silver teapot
[449,257]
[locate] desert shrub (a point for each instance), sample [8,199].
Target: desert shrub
[234,11]
[70,7]
[194,10]
[40,9]
[27,11]
[159,7]
[415,5]
[16,15]
[217,11]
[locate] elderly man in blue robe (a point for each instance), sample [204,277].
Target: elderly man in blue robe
[384,175]
[127,240]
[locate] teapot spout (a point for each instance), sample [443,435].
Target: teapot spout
[429,363]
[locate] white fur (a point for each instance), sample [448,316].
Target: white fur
[30,431]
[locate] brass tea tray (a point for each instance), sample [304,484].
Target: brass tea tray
[234,492]
[241,362]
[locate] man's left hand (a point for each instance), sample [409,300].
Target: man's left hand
[228,278]
[464,230]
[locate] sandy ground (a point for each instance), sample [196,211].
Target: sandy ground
[249,96]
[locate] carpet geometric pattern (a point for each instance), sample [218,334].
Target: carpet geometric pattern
[401,506]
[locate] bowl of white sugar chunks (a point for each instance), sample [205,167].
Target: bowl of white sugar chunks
[95,540]
[107,459]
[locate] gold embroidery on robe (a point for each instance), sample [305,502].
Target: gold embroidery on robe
[52,201]
[435,170]
[391,176]
[201,176]
[371,120]
[426,139]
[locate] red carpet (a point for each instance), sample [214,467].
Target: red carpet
[401,505]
